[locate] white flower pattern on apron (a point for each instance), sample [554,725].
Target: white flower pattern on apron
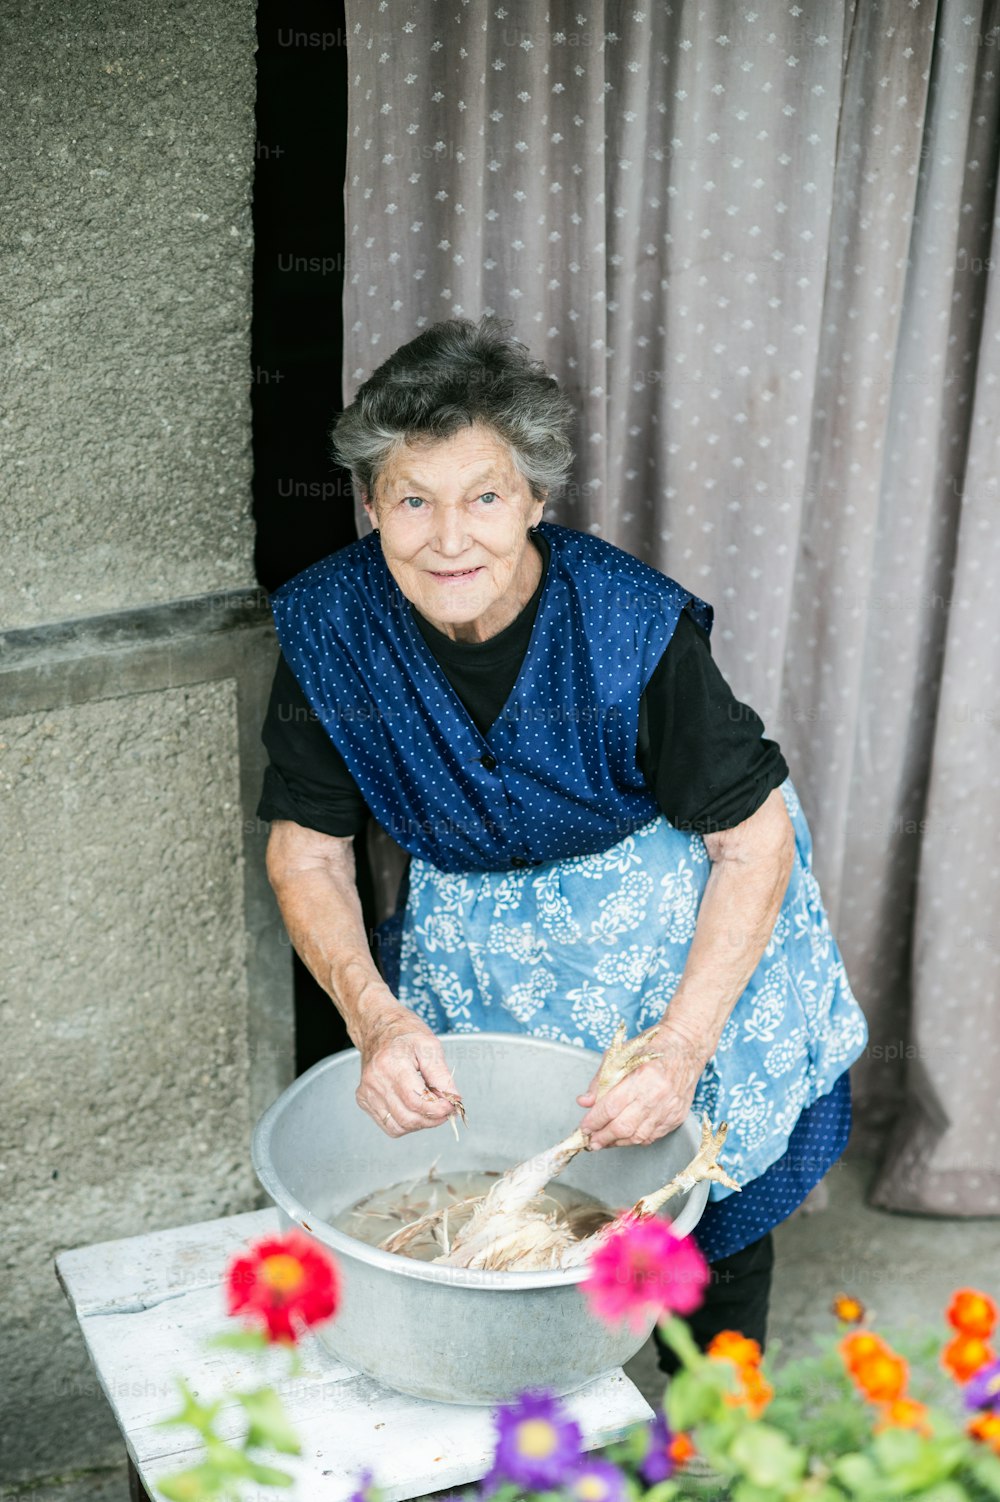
[568,949]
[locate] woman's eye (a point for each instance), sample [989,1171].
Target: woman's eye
[413,502]
[489,496]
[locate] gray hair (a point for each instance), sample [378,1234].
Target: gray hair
[452,375]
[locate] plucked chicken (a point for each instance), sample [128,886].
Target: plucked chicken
[508,1228]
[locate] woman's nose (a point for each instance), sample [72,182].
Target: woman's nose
[452,533]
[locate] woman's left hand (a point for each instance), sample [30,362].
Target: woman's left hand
[651,1101]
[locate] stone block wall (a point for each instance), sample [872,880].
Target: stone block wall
[145,997]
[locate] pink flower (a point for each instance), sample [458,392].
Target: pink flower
[644,1269]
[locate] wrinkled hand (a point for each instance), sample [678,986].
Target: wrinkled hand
[400,1060]
[650,1102]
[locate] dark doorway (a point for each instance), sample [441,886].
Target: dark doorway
[302,502]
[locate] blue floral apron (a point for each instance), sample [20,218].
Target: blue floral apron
[569,949]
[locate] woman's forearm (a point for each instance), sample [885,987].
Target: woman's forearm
[746,886]
[319,902]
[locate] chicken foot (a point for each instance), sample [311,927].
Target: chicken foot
[539,1241]
[704,1165]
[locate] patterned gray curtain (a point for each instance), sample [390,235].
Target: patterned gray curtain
[755,246]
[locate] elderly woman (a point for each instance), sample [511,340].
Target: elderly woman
[598,830]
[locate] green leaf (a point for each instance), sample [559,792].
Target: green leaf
[823,1421]
[195,1485]
[986,1469]
[240,1340]
[200,1416]
[234,1464]
[948,1491]
[270,1425]
[912,1463]
[767,1457]
[858,1473]
[266,1475]
[678,1337]
[692,1398]
[663,1491]
[631,1448]
[895,1448]
[506,1493]
[749,1491]
[814,1490]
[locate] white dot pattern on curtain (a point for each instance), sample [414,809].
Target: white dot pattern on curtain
[754,246]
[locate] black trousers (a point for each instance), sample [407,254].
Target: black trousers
[737,1298]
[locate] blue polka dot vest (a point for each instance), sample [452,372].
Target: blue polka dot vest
[556,775]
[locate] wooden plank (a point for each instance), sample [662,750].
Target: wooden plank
[146,1305]
[142,1270]
[414,1447]
[137,1353]
[136,1491]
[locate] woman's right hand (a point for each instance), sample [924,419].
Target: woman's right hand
[400,1059]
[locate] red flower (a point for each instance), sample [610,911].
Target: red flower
[644,1268]
[284,1279]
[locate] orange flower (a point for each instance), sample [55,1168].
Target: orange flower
[757,1389]
[680,1450]
[876,1369]
[848,1308]
[730,1345]
[881,1376]
[859,1347]
[904,1413]
[986,1427]
[755,1392]
[964,1355]
[972,1313]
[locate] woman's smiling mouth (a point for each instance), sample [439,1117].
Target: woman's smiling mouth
[456,575]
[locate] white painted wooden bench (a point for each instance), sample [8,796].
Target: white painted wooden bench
[146,1304]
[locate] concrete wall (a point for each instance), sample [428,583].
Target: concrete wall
[145,1007]
[125,271]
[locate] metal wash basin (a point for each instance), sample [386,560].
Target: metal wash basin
[453,1334]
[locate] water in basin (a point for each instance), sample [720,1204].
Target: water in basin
[384,1211]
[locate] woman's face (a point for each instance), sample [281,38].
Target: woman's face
[454,519]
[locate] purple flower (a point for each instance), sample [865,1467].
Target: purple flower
[538,1445]
[364,1490]
[597,1481]
[983,1389]
[658,1463]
